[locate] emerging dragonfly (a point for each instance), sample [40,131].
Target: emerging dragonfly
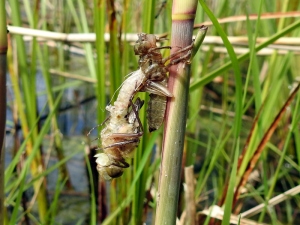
[123,129]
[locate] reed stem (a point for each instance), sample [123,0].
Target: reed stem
[183,14]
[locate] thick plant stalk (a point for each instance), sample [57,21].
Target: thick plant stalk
[3,51]
[183,14]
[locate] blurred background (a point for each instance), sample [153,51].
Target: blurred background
[66,60]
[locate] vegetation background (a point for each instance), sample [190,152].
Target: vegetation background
[242,134]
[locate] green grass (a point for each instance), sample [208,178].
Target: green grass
[234,99]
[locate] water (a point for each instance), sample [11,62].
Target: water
[75,118]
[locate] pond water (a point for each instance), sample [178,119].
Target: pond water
[77,115]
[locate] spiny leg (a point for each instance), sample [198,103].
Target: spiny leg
[121,135]
[99,125]
[180,59]
[121,143]
[137,117]
[189,47]
[159,48]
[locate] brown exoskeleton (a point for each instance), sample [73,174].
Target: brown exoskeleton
[121,133]
[153,65]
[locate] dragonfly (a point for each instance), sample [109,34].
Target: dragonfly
[155,68]
[123,129]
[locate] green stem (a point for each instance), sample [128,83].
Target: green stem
[183,15]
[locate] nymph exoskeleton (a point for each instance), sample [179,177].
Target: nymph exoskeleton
[122,130]
[119,142]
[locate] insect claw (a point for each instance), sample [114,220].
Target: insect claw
[185,59]
[182,58]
